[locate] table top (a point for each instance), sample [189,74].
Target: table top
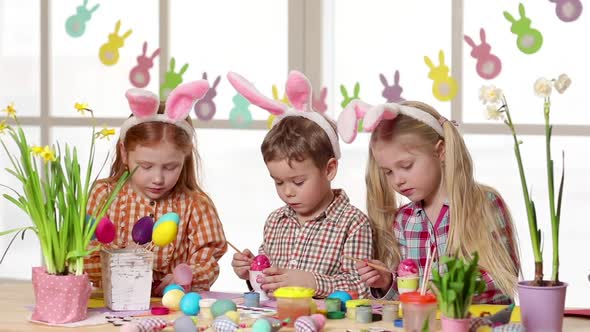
[15,296]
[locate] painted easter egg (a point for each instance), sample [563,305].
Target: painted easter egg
[170,216]
[224,324]
[105,231]
[183,274]
[171,287]
[142,230]
[233,315]
[164,233]
[305,324]
[220,307]
[184,324]
[190,304]
[261,325]
[319,319]
[260,263]
[171,300]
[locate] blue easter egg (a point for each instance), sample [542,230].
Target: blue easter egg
[170,216]
[171,287]
[343,296]
[189,304]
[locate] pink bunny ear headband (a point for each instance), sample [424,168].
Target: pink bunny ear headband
[144,106]
[373,115]
[298,90]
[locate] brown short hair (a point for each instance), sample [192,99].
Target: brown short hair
[298,138]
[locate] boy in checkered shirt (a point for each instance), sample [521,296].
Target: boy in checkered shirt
[308,239]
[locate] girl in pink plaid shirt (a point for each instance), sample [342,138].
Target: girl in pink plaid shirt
[416,152]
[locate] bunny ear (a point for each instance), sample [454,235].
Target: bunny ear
[298,91]
[216,82]
[143,103]
[482,35]
[156,53]
[349,119]
[117,26]
[248,91]
[144,48]
[378,113]
[181,99]
[509,17]
[383,80]
[469,41]
[428,62]
[396,77]
[441,57]
[204,75]
[521,10]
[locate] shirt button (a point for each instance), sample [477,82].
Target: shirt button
[151,215]
[293,262]
[152,203]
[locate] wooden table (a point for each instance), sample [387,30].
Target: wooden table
[16,295]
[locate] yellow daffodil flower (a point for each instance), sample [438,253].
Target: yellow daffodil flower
[36,150]
[48,154]
[81,107]
[3,126]
[10,110]
[105,133]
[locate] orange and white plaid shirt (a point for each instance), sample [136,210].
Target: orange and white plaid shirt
[200,241]
[318,246]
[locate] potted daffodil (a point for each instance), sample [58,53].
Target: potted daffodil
[54,194]
[542,301]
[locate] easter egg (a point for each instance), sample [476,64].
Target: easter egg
[220,307]
[105,231]
[142,230]
[190,304]
[305,324]
[170,216]
[260,263]
[184,324]
[261,325]
[171,287]
[183,274]
[343,296]
[320,320]
[171,300]
[164,233]
[233,315]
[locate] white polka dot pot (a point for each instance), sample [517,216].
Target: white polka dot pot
[60,299]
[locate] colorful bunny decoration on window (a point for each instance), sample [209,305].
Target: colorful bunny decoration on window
[444,87]
[140,74]
[392,93]
[109,51]
[76,24]
[568,10]
[144,106]
[240,116]
[488,65]
[205,109]
[319,104]
[299,93]
[171,79]
[347,99]
[529,40]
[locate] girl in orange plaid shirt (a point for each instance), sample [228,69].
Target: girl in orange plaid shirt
[157,142]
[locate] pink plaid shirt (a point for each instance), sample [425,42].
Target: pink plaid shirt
[318,246]
[416,234]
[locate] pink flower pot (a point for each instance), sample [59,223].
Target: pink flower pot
[60,299]
[541,308]
[454,324]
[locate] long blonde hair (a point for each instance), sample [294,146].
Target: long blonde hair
[474,218]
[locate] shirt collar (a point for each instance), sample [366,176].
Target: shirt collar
[331,212]
[419,206]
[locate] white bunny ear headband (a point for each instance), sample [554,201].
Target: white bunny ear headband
[144,106]
[298,90]
[348,120]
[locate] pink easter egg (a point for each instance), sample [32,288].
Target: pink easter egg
[260,263]
[320,320]
[105,230]
[183,274]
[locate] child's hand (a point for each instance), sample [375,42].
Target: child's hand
[241,263]
[275,277]
[372,277]
[167,280]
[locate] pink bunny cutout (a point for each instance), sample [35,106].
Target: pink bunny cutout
[144,106]
[319,103]
[348,121]
[205,108]
[392,93]
[299,92]
[488,65]
[140,75]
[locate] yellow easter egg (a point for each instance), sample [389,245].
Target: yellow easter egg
[164,233]
[171,299]
[233,315]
